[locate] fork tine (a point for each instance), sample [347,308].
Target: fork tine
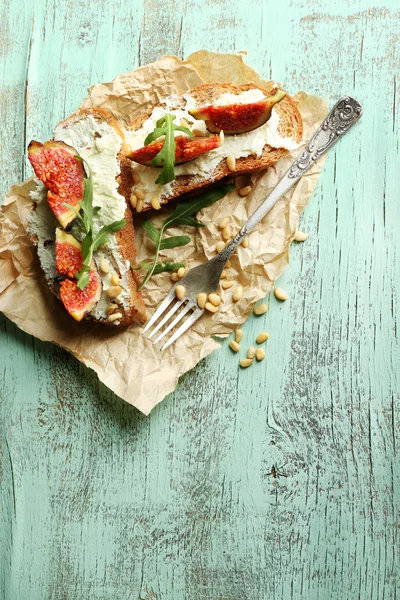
[175,321]
[167,316]
[188,323]
[166,302]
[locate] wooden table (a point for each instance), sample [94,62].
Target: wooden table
[100,502]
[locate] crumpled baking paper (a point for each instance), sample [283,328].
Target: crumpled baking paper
[123,359]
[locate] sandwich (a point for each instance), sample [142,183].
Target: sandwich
[93,177]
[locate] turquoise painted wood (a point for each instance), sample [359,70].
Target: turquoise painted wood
[99,502]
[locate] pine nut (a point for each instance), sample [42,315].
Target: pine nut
[300,236]
[262,337]
[223,223]
[110,308]
[199,132]
[238,335]
[214,299]
[245,242]
[115,279]
[210,307]
[139,206]
[231,162]
[224,274]
[139,193]
[237,294]
[251,352]
[180,292]
[221,136]
[234,346]
[227,284]
[181,272]
[113,291]
[261,309]
[104,266]
[226,233]
[114,317]
[135,177]
[220,246]
[260,354]
[133,200]
[184,123]
[280,294]
[246,362]
[245,191]
[201,300]
[155,203]
[174,277]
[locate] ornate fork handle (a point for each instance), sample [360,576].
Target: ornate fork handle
[342,116]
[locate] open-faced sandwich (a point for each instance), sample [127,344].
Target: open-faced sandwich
[93,177]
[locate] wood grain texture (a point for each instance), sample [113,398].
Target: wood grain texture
[99,502]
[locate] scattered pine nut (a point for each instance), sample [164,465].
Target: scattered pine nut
[300,236]
[262,337]
[226,233]
[245,242]
[221,136]
[261,309]
[135,177]
[199,132]
[180,292]
[223,223]
[110,308]
[114,317]
[139,206]
[220,246]
[210,307]
[181,272]
[246,362]
[260,354]
[224,274]
[251,352]
[174,277]
[104,266]
[280,294]
[155,203]
[113,291]
[234,346]
[237,294]
[238,335]
[227,284]
[139,193]
[231,162]
[245,191]
[214,299]
[201,300]
[184,123]
[133,200]
[114,279]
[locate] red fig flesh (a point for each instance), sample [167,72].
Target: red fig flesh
[68,254]
[79,302]
[186,149]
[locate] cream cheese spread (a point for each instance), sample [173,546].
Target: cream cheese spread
[241,145]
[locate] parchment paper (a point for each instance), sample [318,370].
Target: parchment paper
[124,360]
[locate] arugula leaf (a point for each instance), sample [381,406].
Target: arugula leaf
[85,215]
[182,215]
[165,126]
[159,268]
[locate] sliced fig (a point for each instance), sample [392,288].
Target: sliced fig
[237,118]
[186,149]
[68,254]
[56,165]
[79,302]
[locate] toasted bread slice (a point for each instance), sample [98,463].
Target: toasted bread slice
[97,138]
[190,178]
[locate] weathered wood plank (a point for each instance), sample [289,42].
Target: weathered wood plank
[100,502]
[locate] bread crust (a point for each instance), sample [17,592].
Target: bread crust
[136,312]
[290,125]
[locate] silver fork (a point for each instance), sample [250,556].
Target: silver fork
[205,277]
